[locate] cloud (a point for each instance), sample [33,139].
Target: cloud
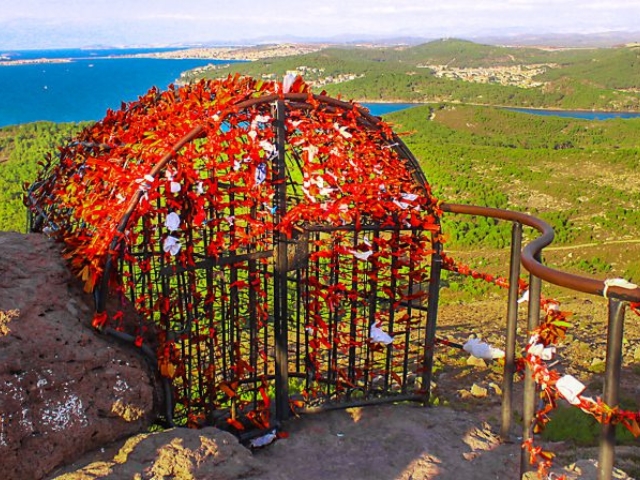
[167,21]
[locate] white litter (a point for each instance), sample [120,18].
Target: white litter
[482,350]
[264,440]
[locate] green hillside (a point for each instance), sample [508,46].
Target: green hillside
[21,148]
[465,72]
[579,175]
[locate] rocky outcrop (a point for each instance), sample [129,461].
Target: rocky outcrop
[181,453]
[66,389]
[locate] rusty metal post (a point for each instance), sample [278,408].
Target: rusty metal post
[512,324]
[529,400]
[432,317]
[611,386]
[280,296]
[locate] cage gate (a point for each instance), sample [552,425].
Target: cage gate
[282,254]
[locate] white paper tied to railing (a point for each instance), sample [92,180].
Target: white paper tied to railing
[539,350]
[617,282]
[342,130]
[174,187]
[171,245]
[287,82]
[172,222]
[377,335]
[145,182]
[570,388]
[364,256]
[261,173]
[524,297]
[267,146]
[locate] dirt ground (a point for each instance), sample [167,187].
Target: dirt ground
[457,439]
[460,438]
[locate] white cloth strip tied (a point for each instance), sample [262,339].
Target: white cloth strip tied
[539,350]
[617,282]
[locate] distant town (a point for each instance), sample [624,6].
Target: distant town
[516,75]
[240,53]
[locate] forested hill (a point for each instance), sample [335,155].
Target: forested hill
[461,71]
[21,148]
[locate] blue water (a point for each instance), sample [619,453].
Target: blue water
[78,53]
[585,115]
[84,88]
[94,81]
[379,109]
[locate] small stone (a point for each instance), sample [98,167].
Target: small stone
[464,394]
[476,362]
[597,365]
[496,387]
[478,391]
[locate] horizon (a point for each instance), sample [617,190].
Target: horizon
[60,24]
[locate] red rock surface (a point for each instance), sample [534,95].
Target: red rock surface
[179,453]
[66,389]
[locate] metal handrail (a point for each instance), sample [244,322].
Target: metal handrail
[617,296]
[534,248]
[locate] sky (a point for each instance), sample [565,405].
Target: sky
[76,23]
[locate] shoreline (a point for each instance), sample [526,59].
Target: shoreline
[34,61]
[236,53]
[246,54]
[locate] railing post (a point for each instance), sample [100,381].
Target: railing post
[280,314]
[432,318]
[611,386]
[528,403]
[512,324]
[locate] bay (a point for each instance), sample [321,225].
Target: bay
[92,81]
[82,88]
[581,114]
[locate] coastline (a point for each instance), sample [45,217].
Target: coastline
[34,61]
[249,54]
[246,54]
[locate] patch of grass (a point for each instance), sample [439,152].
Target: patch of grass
[572,424]
[593,266]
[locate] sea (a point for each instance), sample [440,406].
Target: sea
[91,82]
[581,114]
[85,87]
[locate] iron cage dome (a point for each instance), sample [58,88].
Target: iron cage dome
[271,249]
